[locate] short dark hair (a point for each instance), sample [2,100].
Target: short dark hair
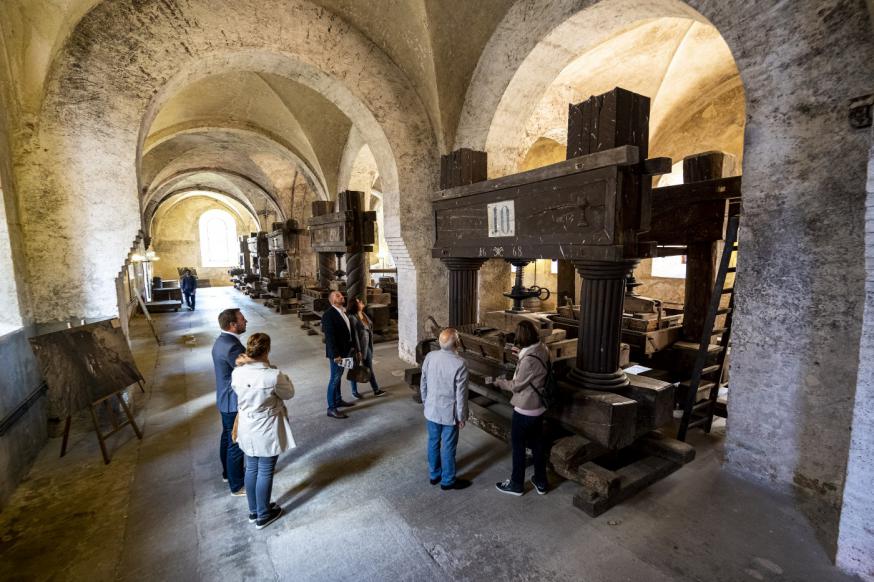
[227,317]
[258,345]
[526,334]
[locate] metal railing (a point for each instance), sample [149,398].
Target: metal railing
[19,411]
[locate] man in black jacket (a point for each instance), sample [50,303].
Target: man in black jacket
[338,345]
[189,288]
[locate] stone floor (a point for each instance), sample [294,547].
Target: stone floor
[357,501]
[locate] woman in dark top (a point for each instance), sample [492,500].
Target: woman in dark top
[362,339]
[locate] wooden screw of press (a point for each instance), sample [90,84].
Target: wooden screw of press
[116,426]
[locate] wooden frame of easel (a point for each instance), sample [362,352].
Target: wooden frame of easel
[113,417]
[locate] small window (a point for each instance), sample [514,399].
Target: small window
[670,267]
[218,239]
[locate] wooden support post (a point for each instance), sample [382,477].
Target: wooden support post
[565,287]
[66,437]
[700,256]
[601,299]
[460,168]
[326,260]
[463,284]
[353,201]
[602,122]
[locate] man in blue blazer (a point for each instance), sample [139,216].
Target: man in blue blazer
[224,356]
[338,345]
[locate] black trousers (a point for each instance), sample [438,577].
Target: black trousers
[189,300]
[527,431]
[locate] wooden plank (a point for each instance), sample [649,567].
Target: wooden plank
[634,478]
[605,418]
[655,400]
[620,156]
[706,191]
[655,443]
[489,421]
[570,452]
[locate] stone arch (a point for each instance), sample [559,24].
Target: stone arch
[313,174]
[172,196]
[249,189]
[803,196]
[94,110]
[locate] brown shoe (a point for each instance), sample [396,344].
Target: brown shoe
[334,413]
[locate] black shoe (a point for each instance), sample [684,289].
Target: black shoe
[541,489]
[434,481]
[334,413]
[379,392]
[459,484]
[358,396]
[509,488]
[271,517]
[344,404]
[253,517]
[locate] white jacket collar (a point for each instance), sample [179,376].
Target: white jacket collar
[528,350]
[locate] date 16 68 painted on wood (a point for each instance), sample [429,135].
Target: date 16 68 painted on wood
[502,219]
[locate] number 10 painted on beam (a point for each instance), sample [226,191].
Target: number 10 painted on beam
[502,219]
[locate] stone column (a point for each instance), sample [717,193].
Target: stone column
[463,274]
[601,299]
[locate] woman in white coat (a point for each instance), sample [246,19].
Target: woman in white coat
[263,430]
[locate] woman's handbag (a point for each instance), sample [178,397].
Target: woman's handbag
[359,373]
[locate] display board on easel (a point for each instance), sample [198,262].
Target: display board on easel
[85,367]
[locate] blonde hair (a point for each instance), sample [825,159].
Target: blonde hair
[258,345]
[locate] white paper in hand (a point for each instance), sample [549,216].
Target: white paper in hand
[347,363]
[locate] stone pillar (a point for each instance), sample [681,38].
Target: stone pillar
[463,275]
[601,299]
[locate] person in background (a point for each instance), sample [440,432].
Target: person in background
[362,340]
[338,345]
[224,358]
[263,430]
[188,284]
[527,384]
[444,394]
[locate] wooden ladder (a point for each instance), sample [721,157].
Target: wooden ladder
[700,414]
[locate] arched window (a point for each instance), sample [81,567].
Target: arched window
[218,239]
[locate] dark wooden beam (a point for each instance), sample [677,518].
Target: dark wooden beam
[701,252]
[620,156]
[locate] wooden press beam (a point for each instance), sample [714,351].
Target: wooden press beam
[701,252]
[458,169]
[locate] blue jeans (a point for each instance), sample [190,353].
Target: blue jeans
[259,483]
[334,396]
[230,453]
[368,361]
[442,442]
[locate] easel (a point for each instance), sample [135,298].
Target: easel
[116,426]
[149,319]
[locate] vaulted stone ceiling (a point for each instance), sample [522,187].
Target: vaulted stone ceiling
[231,117]
[684,66]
